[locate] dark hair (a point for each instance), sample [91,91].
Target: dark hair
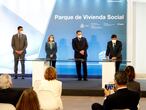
[97,106]
[78,31]
[50,37]
[50,73]
[121,77]
[19,27]
[114,36]
[130,73]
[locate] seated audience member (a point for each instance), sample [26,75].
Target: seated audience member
[97,106]
[7,93]
[28,101]
[49,91]
[122,98]
[132,84]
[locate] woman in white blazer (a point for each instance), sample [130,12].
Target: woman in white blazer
[49,91]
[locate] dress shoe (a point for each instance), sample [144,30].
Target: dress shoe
[85,79]
[15,77]
[80,79]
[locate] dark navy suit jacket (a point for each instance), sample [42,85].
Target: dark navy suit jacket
[10,95]
[79,45]
[122,99]
[110,51]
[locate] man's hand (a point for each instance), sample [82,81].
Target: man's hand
[82,52]
[107,92]
[114,58]
[19,52]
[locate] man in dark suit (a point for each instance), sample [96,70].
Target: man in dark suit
[19,45]
[113,51]
[80,46]
[122,98]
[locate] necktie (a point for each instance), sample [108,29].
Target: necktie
[79,39]
[114,48]
[19,40]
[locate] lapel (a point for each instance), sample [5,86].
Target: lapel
[79,40]
[19,37]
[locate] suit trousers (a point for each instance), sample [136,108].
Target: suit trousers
[78,69]
[117,65]
[18,58]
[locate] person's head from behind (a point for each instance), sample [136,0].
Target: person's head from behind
[130,73]
[20,29]
[96,106]
[5,81]
[28,101]
[50,73]
[79,33]
[51,38]
[114,38]
[120,79]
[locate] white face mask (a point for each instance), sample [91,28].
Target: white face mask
[113,41]
[21,32]
[51,39]
[79,36]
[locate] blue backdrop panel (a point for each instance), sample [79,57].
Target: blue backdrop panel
[98,20]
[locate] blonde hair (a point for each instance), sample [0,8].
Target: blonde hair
[5,81]
[50,73]
[28,101]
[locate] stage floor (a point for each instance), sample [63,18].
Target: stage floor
[71,86]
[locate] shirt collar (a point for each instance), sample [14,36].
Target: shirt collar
[122,87]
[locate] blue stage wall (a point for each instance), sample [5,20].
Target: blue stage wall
[97,19]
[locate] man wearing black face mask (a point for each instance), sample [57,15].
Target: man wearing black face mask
[113,51]
[80,46]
